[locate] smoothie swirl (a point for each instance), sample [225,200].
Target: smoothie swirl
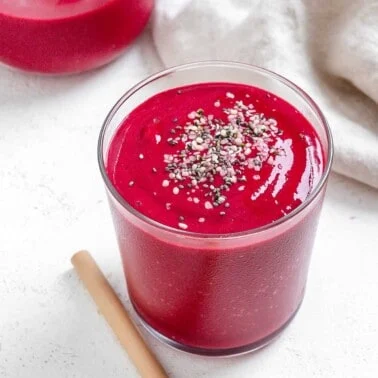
[215,158]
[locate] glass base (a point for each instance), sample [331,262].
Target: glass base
[237,351]
[73,73]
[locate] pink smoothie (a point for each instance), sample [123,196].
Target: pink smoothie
[68,36]
[216,159]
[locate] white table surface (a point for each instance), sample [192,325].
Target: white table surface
[52,203]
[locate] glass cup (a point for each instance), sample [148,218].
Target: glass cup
[212,294]
[68,36]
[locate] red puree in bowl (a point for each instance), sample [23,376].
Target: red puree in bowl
[216,158]
[67,36]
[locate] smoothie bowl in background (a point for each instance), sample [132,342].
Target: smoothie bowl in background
[68,36]
[215,174]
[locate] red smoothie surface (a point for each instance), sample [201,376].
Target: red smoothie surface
[216,158]
[68,36]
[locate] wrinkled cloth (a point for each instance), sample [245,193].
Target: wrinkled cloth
[327,47]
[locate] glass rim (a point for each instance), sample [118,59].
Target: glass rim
[214,63]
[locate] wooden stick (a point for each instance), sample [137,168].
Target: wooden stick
[116,315]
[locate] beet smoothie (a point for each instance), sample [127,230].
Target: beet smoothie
[68,36]
[208,165]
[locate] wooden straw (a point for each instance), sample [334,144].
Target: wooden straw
[116,315]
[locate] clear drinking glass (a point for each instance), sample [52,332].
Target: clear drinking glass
[68,36]
[216,294]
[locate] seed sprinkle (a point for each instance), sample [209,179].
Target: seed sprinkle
[211,155]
